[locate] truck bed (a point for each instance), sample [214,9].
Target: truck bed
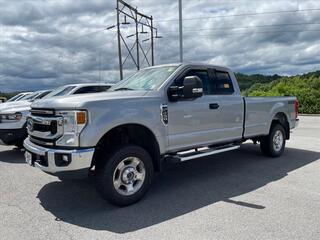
[259,112]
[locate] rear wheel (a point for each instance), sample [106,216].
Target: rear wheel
[125,175]
[273,144]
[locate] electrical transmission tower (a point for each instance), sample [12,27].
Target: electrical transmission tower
[143,26]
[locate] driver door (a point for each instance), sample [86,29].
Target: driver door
[191,121]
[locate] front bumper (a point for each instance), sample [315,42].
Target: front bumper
[12,136]
[49,160]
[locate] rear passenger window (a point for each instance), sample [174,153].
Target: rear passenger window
[222,84]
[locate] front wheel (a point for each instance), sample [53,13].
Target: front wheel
[125,175]
[273,144]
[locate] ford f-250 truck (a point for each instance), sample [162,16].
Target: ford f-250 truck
[168,113]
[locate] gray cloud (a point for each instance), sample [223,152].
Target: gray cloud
[44,43]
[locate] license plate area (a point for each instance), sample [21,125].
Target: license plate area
[32,158]
[28,157]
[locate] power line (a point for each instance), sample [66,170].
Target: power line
[88,34]
[243,14]
[252,33]
[245,27]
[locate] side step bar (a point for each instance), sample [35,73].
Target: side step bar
[198,153]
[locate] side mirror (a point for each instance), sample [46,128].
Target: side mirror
[175,93]
[192,87]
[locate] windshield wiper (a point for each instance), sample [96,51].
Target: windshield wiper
[123,89]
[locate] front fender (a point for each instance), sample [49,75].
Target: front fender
[103,119]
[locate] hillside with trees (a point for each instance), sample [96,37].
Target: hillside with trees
[246,81]
[8,95]
[305,87]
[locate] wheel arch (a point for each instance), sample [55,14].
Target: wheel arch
[282,119]
[132,133]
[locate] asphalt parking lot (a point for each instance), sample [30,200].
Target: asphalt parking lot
[235,195]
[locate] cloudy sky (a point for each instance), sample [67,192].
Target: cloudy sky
[48,43]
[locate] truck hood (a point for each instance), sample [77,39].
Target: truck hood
[81,101]
[15,106]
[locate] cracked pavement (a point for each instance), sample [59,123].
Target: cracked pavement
[235,195]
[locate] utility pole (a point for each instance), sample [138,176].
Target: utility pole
[180,31]
[137,40]
[119,42]
[152,43]
[100,67]
[136,50]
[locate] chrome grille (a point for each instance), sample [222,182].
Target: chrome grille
[43,127]
[42,112]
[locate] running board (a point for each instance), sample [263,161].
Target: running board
[198,153]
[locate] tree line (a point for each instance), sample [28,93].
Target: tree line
[305,87]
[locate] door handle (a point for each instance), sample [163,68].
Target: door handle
[213,105]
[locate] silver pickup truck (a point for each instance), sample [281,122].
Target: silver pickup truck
[168,113]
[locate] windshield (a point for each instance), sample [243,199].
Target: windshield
[61,91]
[29,96]
[42,94]
[33,96]
[15,97]
[19,97]
[146,79]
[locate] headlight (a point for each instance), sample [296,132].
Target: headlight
[73,124]
[10,117]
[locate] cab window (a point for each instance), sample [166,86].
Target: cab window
[222,83]
[202,74]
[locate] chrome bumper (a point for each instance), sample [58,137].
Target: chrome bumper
[80,159]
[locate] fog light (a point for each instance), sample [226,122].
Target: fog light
[65,158]
[62,160]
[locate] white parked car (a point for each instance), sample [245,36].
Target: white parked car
[13,115]
[19,96]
